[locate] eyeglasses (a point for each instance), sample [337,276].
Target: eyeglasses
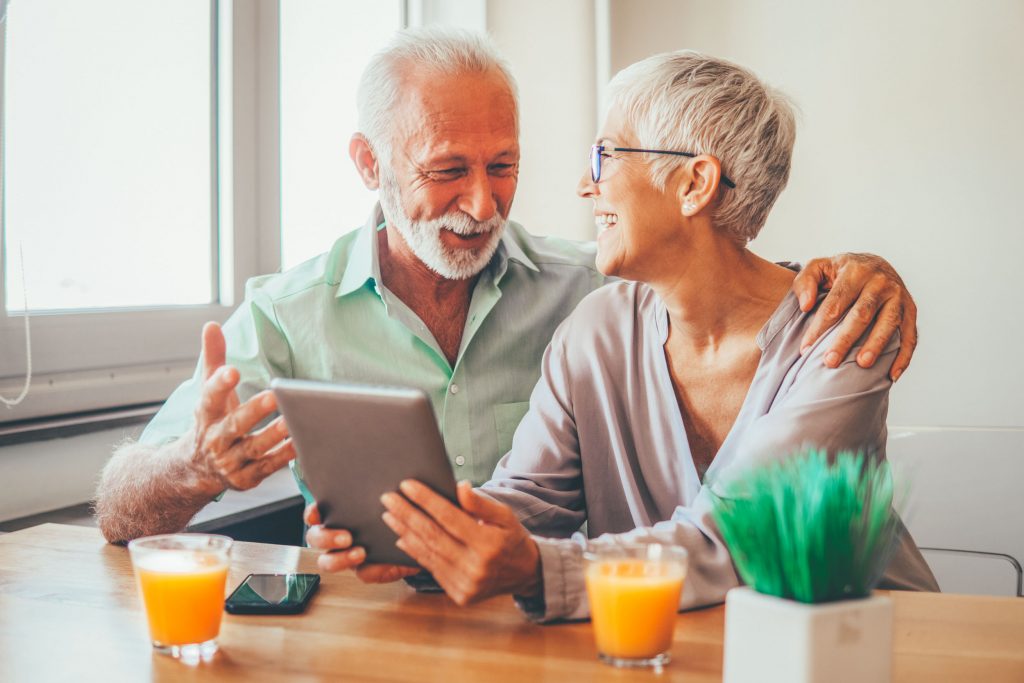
[597,150]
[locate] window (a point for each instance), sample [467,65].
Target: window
[108,161]
[110,189]
[144,176]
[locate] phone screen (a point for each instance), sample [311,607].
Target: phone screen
[272,594]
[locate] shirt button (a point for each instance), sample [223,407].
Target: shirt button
[454,388]
[459,460]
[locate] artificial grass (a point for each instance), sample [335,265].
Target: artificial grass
[809,529]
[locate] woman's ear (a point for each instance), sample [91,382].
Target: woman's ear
[705,179]
[688,193]
[681,184]
[361,153]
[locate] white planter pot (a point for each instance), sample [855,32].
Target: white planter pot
[769,639]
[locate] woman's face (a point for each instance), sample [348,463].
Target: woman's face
[636,220]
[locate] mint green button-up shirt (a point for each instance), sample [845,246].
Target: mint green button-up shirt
[332,319]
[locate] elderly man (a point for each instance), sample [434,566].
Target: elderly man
[438,291]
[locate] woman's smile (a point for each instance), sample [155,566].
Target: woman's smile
[605,220]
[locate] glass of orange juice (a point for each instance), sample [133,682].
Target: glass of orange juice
[181,578]
[634,597]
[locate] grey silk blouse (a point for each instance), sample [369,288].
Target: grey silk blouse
[603,442]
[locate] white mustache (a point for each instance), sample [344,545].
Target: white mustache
[461,224]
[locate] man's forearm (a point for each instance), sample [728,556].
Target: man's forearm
[145,490]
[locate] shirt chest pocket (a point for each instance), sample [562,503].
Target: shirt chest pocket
[507,417]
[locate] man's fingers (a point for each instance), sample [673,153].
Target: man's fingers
[241,473]
[886,325]
[908,341]
[847,334]
[271,461]
[341,561]
[311,515]
[812,277]
[859,320]
[215,401]
[241,420]
[384,573]
[449,517]
[260,443]
[322,538]
[214,349]
[830,310]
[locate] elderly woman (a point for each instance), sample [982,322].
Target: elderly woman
[689,369]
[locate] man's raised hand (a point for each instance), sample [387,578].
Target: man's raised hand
[227,452]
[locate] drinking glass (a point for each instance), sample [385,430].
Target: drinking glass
[634,597]
[181,578]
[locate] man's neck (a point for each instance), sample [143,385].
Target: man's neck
[408,278]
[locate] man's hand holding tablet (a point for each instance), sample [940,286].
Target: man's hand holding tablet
[341,555]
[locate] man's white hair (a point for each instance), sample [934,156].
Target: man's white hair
[689,102]
[444,50]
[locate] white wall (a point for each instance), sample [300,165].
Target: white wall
[550,46]
[46,475]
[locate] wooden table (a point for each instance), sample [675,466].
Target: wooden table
[69,611]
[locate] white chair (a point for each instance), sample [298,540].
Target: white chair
[963,504]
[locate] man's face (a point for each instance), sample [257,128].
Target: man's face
[454,168]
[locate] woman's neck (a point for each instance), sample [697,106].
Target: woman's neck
[719,292]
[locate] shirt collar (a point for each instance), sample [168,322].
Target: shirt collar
[509,250]
[363,263]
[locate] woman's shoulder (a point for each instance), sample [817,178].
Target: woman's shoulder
[612,315]
[618,295]
[610,304]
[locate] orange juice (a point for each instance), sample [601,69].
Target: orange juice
[183,591]
[633,605]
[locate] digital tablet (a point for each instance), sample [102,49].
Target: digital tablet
[355,442]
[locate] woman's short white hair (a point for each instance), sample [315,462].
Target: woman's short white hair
[689,102]
[445,50]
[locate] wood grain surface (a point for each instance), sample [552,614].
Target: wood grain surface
[69,611]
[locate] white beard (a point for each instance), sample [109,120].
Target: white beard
[424,237]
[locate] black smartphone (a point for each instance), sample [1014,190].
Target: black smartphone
[273,594]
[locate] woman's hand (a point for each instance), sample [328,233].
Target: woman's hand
[874,294]
[475,552]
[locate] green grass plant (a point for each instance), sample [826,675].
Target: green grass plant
[810,529]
